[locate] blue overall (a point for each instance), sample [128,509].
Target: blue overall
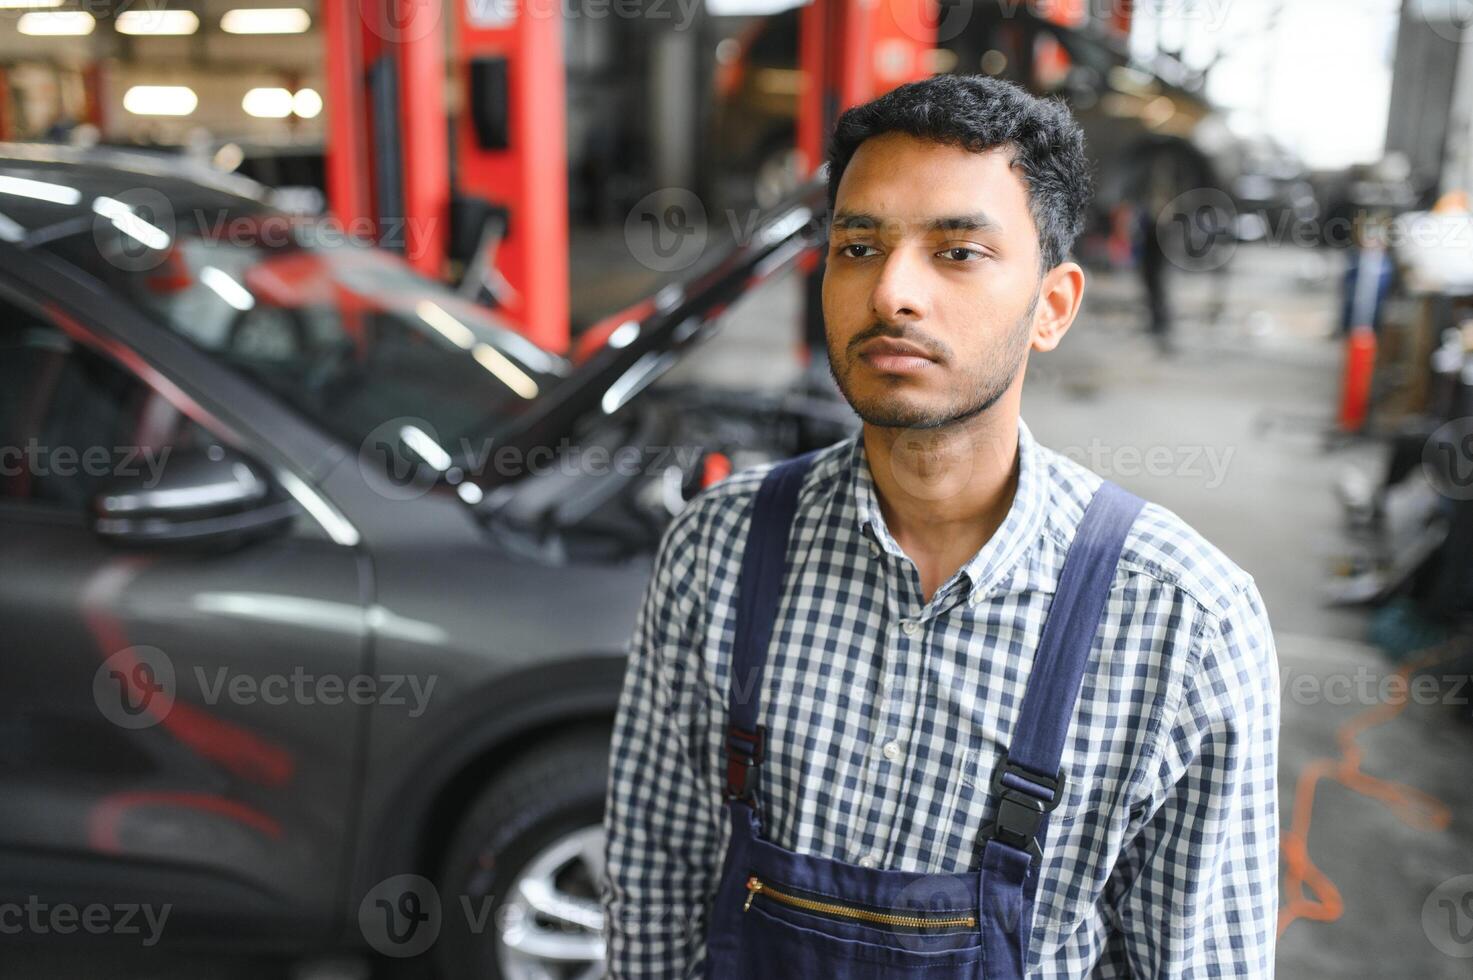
[780,914]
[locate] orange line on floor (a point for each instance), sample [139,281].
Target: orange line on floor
[1413,806]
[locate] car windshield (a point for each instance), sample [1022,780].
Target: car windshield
[348,335]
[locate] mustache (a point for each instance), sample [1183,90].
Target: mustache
[935,349]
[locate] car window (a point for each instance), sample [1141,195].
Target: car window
[70,418]
[348,336]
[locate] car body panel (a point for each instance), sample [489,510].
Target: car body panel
[258,818]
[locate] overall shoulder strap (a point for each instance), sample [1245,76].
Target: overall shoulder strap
[1028,782]
[1073,620]
[759,592]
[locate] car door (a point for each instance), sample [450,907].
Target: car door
[177,723]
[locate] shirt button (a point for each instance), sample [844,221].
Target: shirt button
[869,861]
[976,599]
[909,627]
[891,750]
[874,549]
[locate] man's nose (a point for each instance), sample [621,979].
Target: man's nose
[900,291]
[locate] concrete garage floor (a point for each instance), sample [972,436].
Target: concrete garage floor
[1240,408]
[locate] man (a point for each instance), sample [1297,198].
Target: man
[907,610]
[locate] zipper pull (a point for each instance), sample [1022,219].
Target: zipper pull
[754,885]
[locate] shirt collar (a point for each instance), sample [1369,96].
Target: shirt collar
[1017,533]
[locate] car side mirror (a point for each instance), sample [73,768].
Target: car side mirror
[212,495]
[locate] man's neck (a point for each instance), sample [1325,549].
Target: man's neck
[944,492]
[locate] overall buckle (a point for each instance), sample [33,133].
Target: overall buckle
[1024,798]
[744,753]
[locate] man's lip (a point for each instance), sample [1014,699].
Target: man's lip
[888,347]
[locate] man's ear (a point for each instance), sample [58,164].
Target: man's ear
[1059,296]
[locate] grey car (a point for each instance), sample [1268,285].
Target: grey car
[317,578]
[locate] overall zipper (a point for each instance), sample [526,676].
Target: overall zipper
[756,886]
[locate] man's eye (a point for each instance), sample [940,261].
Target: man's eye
[961,254]
[849,250]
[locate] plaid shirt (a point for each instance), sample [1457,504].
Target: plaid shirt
[886,714]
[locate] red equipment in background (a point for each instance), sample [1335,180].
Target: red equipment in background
[511,148]
[389,146]
[1355,381]
[856,50]
[389,157]
[387,150]
[1360,343]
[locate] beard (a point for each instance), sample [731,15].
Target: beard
[978,387]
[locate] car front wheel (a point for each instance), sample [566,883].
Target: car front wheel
[521,875]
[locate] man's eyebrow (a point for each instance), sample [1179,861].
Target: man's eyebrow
[854,220]
[978,221]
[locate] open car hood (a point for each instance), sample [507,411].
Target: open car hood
[622,354]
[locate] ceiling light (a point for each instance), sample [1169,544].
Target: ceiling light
[307,103]
[59,23]
[157,22]
[160,100]
[267,103]
[265,20]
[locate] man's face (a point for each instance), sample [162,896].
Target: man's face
[931,281]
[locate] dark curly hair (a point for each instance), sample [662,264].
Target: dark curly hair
[981,113]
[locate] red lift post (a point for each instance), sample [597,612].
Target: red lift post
[7,131]
[389,157]
[850,51]
[511,149]
[388,161]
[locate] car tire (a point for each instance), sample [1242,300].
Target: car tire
[530,842]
